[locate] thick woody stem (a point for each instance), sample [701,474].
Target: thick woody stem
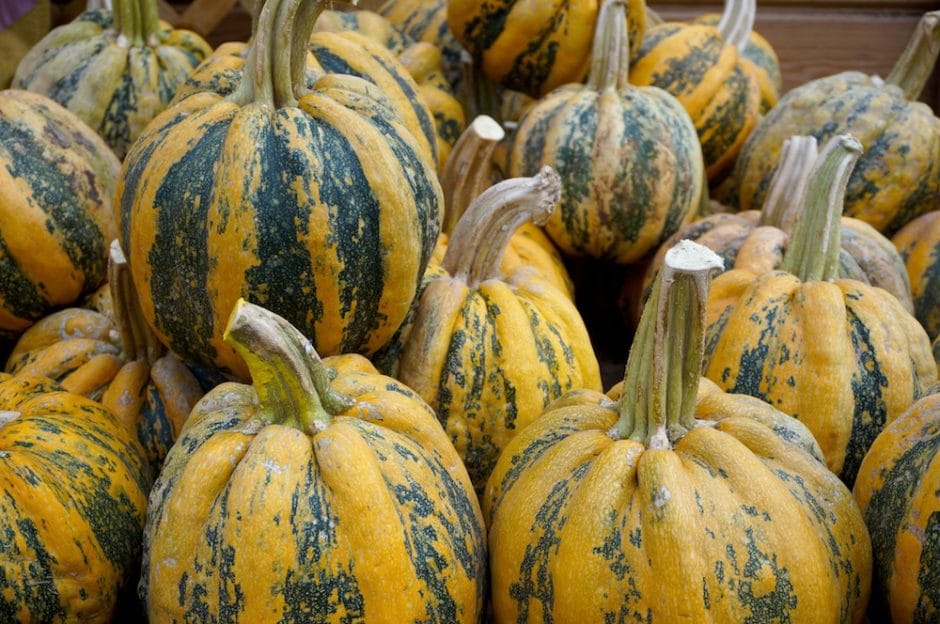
[469,170]
[610,55]
[138,340]
[916,63]
[785,195]
[737,21]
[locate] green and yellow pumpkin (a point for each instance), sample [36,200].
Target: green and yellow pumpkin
[702,67]
[114,69]
[841,356]
[489,351]
[112,357]
[324,492]
[426,20]
[535,47]
[671,500]
[318,203]
[757,241]
[919,244]
[75,486]
[629,157]
[57,178]
[897,490]
[898,176]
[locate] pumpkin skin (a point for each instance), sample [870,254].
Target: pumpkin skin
[841,356]
[535,48]
[919,245]
[256,514]
[365,199]
[705,73]
[426,20]
[586,523]
[367,23]
[57,178]
[897,492]
[629,159]
[74,504]
[897,177]
[488,353]
[113,87]
[765,66]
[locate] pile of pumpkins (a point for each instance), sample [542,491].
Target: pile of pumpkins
[289,335]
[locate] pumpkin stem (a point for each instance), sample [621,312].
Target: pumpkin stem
[138,340]
[483,232]
[815,243]
[785,193]
[469,170]
[257,82]
[126,23]
[292,383]
[916,63]
[657,405]
[291,15]
[480,95]
[737,21]
[149,22]
[610,55]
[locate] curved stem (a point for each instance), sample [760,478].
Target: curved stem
[660,384]
[149,22]
[813,253]
[469,170]
[916,63]
[292,383]
[737,21]
[138,340]
[610,55]
[785,193]
[285,47]
[482,234]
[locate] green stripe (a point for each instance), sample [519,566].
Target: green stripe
[927,306]
[928,603]
[573,158]
[680,75]
[20,295]
[727,122]
[545,113]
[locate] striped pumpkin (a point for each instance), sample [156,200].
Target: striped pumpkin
[488,352]
[839,355]
[426,20]
[424,64]
[57,178]
[536,47]
[75,493]
[897,490]
[919,244]
[112,357]
[760,61]
[675,502]
[115,70]
[629,158]
[898,176]
[757,241]
[206,218]
[325,492]
[703,66]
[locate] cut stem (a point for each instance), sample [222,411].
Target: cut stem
[785,195]
[138,340]
[916,63]
[469,170]
[657,406]
[476,247]
[292,383]
[737,21]
[610,55]
[813,252]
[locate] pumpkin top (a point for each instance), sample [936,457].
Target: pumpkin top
[483,232]
[813,253]
[917,61]
[610,52]
[657,404]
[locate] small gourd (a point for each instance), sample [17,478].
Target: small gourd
[919,245]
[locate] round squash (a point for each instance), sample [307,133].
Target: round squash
[756,241]
[489,352]
[841,356]
[898,176]
[897,490]
[629,158]
[111,356]
[75,486]
[703,67]
[760,61]
[919,244]
[57,178]
[323,492]
[208,215]
[674,501]
[115,70]
[426,20]
[536,47]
